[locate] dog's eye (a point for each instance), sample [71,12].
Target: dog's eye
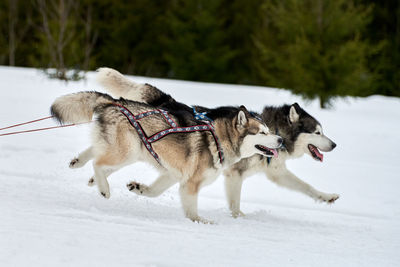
[318,133]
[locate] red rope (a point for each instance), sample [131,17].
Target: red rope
[12,126]
[42,129]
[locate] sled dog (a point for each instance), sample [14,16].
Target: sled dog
[301,133]
[192,159]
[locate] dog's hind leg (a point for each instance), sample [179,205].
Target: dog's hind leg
[159,186]
[108,172]
[285,178]
[103,166]
[82,158]
[100,178]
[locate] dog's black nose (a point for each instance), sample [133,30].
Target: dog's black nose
[333,145]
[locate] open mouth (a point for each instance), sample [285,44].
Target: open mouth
[315,153]
[269,152]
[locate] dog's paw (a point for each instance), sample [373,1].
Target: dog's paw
[75,163]
[136,187]
[328,198]
[333,198]
[105,194]
[236,214]
[91,182]
[199,219]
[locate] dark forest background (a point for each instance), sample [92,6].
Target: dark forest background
[316,48]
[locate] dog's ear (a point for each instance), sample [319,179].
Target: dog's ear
[242,116]
[294,113]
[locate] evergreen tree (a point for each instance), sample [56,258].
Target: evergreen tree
[384,32]
[15,28]
[58,44]
[240,21]
[317,48]
[314,48]
[3,33]
[130,36]
[195,48]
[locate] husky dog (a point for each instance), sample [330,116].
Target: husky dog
[190,159]
[301,133]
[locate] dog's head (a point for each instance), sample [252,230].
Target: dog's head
[304,134]
[254,135]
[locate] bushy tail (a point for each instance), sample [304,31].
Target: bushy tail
[119,86]
[78,107]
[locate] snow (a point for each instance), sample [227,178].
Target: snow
[50,217]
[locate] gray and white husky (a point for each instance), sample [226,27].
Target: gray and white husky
[192,159]
[301,133]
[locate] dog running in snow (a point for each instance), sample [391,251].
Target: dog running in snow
[301,133]
[191,159]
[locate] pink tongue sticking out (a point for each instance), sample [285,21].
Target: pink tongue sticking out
[319,155]
[273,151]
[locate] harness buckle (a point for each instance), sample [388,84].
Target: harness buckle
[201,116]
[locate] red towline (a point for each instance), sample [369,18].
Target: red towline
[38,129]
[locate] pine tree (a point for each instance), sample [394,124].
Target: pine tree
[240,21]
[314,48]
[130,35]
[3,32]
[384,32]
[15,29]
[195,48]
[57,31]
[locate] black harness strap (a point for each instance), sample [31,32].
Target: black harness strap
[133,120]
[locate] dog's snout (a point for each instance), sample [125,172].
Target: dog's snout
[333,145]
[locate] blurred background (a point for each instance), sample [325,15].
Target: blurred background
[316,48]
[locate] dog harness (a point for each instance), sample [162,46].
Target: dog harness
[148,140]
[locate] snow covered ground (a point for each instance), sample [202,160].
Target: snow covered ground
[50,217]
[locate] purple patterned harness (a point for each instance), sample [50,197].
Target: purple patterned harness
[147,141]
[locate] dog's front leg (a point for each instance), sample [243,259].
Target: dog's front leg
[233,188]
[189,195]
[283,177]
[158,187]
[82,158]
